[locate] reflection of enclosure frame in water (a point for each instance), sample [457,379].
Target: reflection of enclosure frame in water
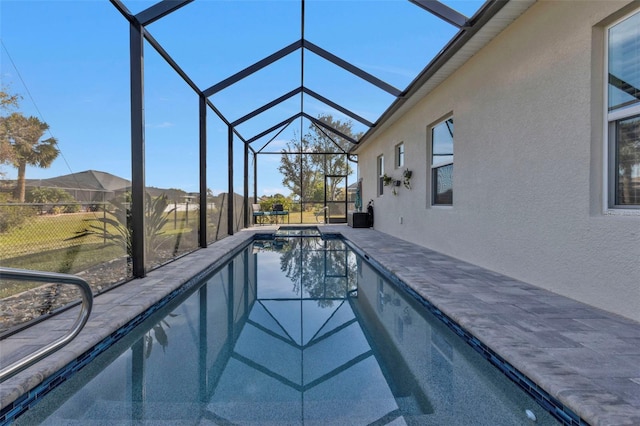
[220,333]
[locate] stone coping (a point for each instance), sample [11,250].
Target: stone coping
[587,358]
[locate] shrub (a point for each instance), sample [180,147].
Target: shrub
[56,209]
[72,208]
[120,225]
[266,203]
[48,195]
[14,216]
[62,201]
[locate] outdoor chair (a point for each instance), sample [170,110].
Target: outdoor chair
[257,213]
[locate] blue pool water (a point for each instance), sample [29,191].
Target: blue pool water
[292,331]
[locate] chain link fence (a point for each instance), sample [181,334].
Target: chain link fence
[85,239]
[28,229]
[45,237]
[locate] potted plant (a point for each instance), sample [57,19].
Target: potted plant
[406,178]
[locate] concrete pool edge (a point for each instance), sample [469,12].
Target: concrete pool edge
[368,242]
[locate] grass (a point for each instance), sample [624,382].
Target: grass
[44,233]
[308,218]
[67,260]
[48,232]
[44,243]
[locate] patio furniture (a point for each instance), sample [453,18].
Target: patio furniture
[277,210]
[257,213]
[358,219]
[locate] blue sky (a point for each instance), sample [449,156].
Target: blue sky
[70,62]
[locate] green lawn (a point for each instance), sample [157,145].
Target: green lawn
[46,232]
[45,242]
[67,260]
[308,218]
[53,232]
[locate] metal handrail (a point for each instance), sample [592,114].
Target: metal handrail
[54,278]
[321,212]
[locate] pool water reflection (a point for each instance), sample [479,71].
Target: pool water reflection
[292,331]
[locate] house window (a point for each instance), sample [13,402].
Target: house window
[623,112]
[380,174]
[442,163]
[399,155]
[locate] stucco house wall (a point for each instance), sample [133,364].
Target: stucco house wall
[528,197]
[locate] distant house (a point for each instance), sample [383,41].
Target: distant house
[95,186]
[87,186]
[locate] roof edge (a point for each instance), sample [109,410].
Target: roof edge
[417,88]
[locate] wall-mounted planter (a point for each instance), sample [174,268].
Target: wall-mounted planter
[390,181]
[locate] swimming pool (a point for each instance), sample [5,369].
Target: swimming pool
[292,331]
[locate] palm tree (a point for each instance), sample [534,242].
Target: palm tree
[23,135]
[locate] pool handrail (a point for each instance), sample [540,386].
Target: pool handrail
[321,212]
[53,278]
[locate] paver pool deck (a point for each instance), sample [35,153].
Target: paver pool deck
[586,358]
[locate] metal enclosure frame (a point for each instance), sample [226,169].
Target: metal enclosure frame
[139,34]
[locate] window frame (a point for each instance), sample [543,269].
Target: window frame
[611,120]
[399,155]
[438,165]
[380,174]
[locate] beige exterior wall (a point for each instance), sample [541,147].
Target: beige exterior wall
[528,168]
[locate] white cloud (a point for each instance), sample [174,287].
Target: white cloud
[268,159]
[162,125]
[274,190]
[275,145]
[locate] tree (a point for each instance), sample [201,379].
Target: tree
[7,102]
[23,135]
[324,153]
[321,142]
[267,202]
[296,168]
